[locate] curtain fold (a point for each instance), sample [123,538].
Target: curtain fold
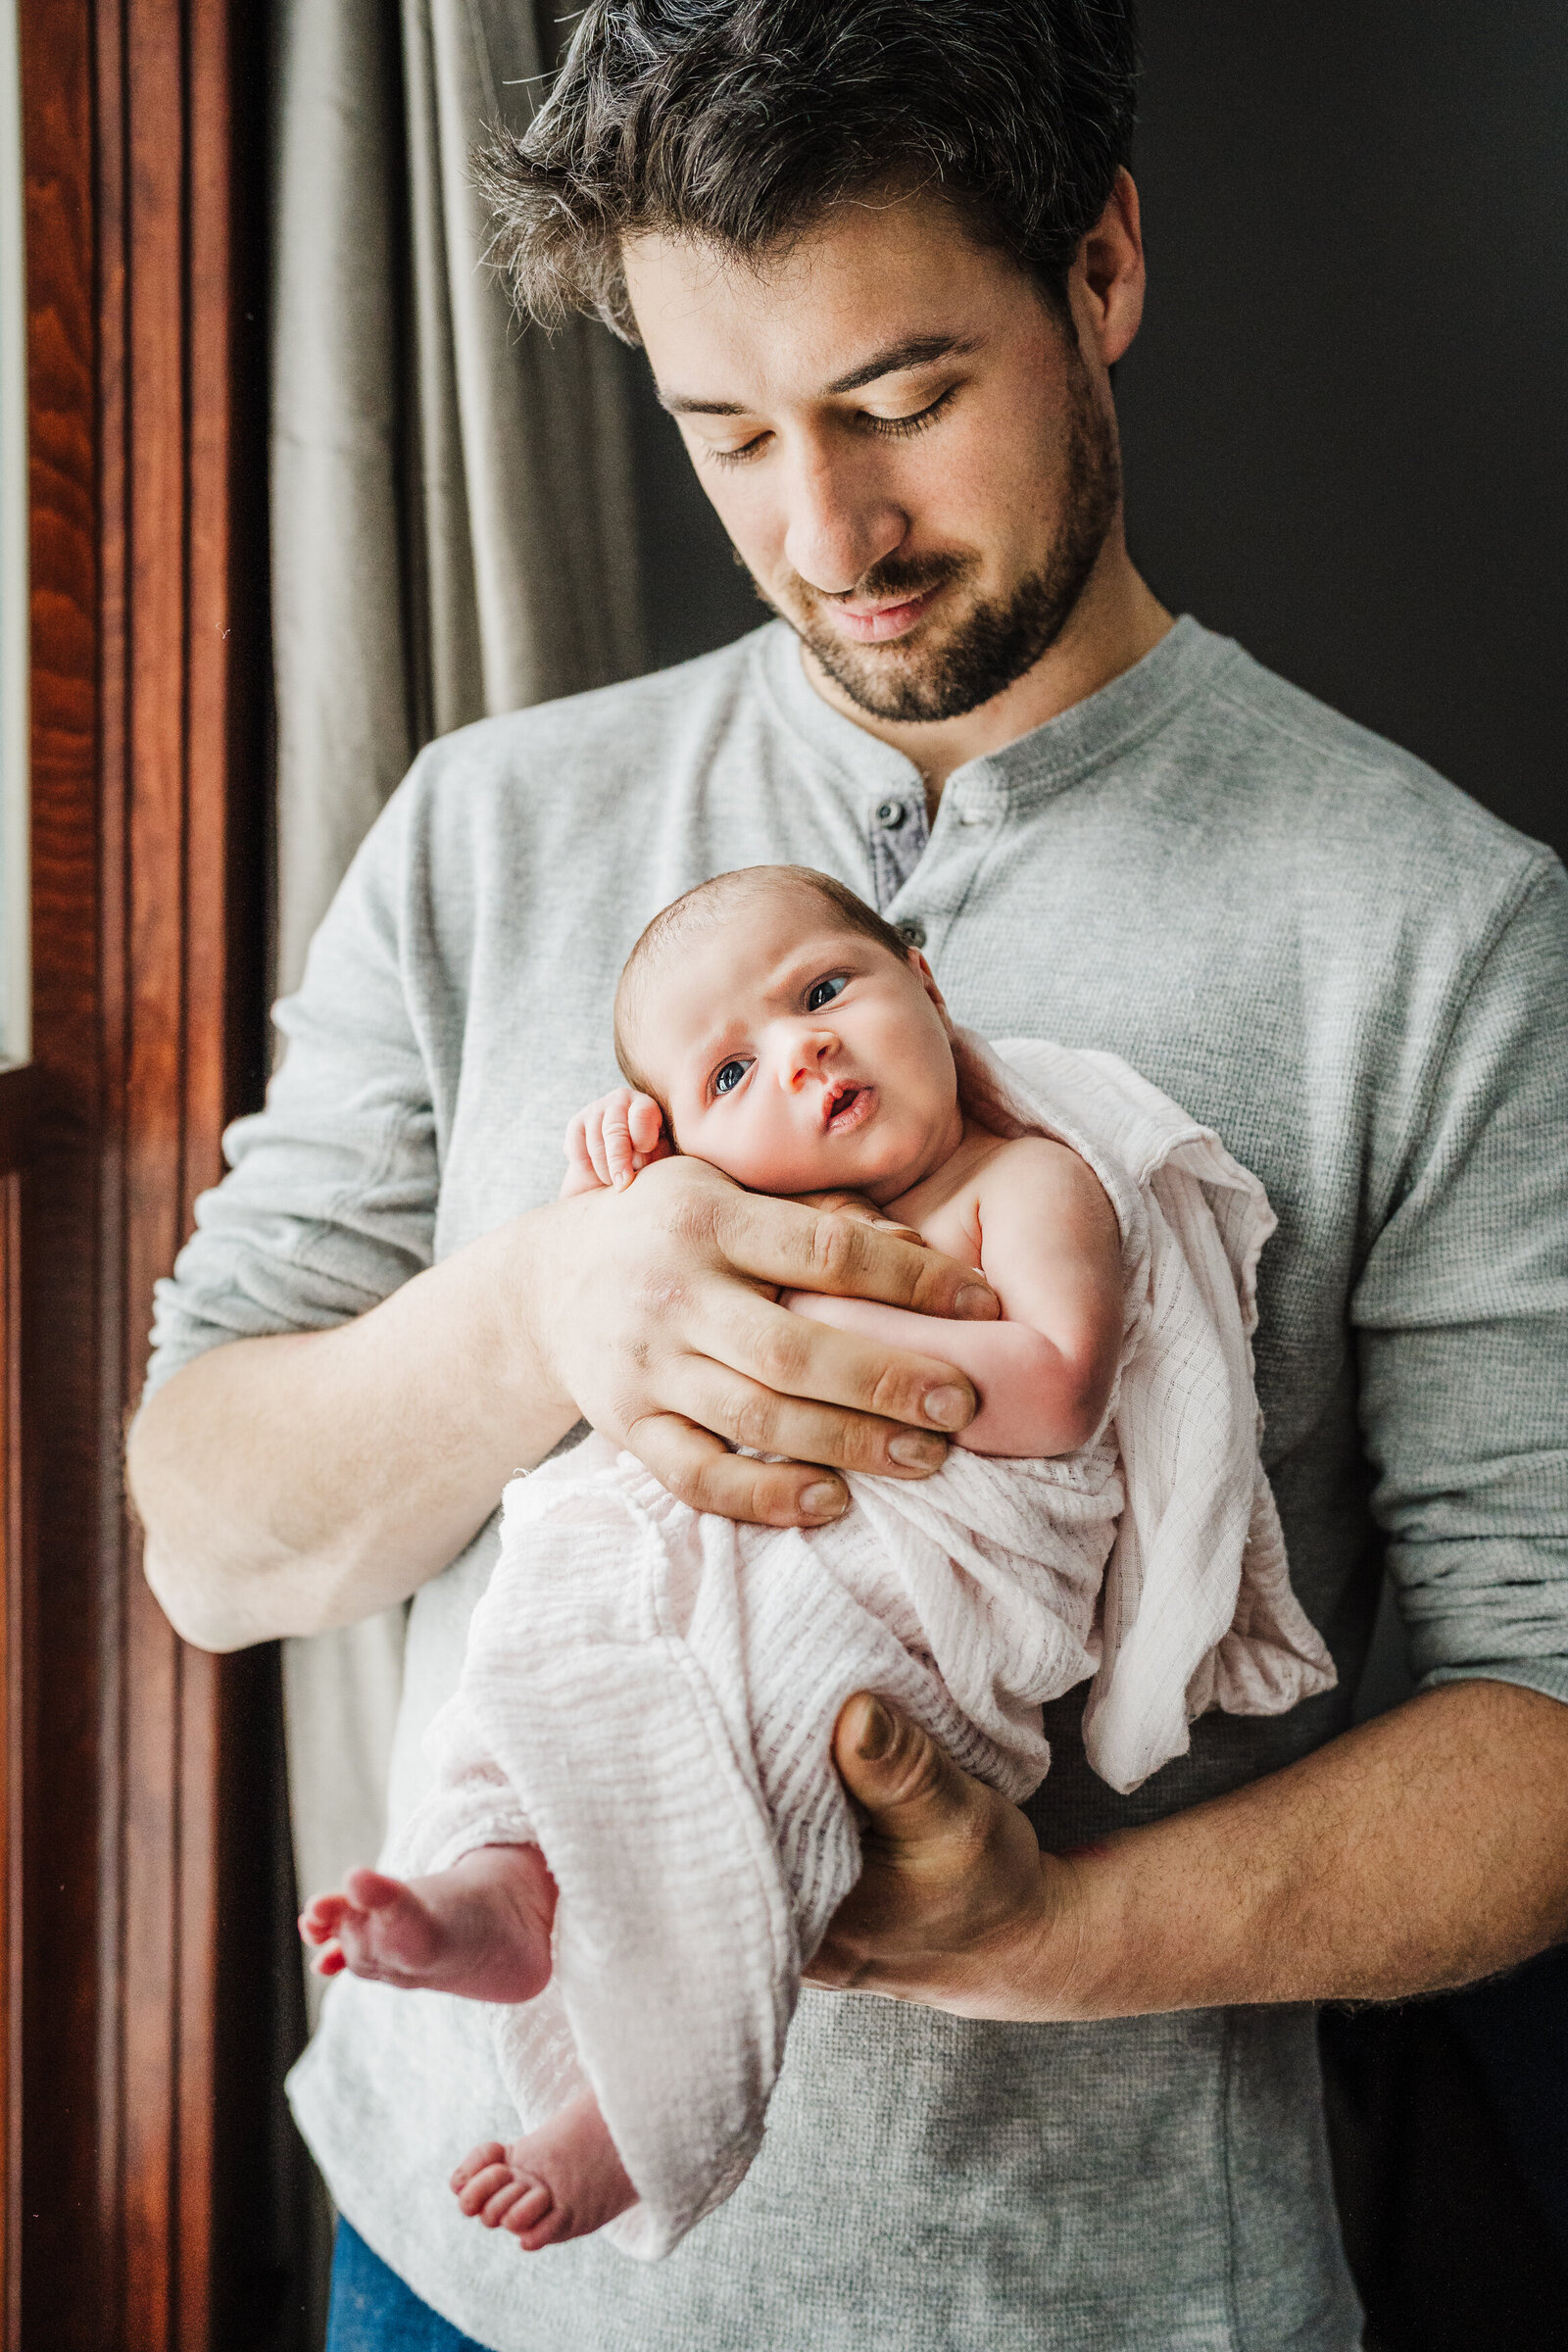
[453,533]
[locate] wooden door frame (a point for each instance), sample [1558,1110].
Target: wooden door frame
[134,2095]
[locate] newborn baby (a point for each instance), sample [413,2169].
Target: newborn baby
[771,1024]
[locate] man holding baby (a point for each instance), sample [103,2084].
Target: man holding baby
[882,260]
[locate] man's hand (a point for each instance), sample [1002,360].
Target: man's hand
[656,1310]
[652,1310]
[956,1903]
[863,1207]
[1422,1850]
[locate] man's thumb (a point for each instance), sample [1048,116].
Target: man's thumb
[898,1773]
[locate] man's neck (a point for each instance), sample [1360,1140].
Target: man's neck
[1116,622]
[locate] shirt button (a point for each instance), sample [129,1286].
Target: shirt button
[891,813]
[912,933]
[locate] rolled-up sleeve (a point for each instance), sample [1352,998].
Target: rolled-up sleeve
[330,1199]
[1461,1316]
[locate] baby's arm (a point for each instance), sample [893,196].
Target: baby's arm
[1051,1250]
[610,1142]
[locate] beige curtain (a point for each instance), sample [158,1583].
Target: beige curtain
[452,534]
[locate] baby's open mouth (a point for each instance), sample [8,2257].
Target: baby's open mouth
[845,1106]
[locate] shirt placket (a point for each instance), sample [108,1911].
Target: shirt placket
[899,836]
[903,841]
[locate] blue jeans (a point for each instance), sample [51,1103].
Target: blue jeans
[372,2311]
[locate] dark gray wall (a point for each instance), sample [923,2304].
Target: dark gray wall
[1347,416]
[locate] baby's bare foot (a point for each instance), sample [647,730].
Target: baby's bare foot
[563,2180]
[481,1928]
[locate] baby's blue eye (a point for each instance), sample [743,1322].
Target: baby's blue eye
[726,1079]
[823,992]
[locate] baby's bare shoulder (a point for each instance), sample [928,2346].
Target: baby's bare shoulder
[1032,1161]
[1035,1182]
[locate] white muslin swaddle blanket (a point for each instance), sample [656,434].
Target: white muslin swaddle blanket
[649,1694]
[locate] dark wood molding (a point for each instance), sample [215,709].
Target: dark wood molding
[126,1784]
[19,1096]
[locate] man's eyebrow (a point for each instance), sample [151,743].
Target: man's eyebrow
[915,350]
[685,404]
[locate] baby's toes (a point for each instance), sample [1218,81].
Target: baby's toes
[530,2213]
[330,1961]
[320,1916]
[552,2227]
[477,2192]
[372,1889]
[517,2206]
[488,2152]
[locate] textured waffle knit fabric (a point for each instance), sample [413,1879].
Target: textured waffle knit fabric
[1321,950]
[650,1694]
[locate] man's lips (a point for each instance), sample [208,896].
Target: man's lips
[874,625]
[846,1106]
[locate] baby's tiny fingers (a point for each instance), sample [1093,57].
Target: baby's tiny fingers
[617,1140]
[645,1122]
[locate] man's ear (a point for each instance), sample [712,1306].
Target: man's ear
[1110,268]
[928,981]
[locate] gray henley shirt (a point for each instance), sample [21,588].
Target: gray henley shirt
[1312,942]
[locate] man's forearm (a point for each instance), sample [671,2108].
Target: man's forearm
[1424,1849]
[291,1484]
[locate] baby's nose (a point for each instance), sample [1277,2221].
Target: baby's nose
[806,1056]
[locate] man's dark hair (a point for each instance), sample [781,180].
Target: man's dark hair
[740,122]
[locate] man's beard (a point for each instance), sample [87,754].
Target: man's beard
[997,641]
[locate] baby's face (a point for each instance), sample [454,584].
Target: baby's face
[797,1056]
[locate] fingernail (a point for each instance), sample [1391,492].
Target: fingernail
[973,1304]
[877,1733]
[917,1453]
[949,1408]
[825,1502]
[620,1182]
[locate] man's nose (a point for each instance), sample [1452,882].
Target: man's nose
[841,520]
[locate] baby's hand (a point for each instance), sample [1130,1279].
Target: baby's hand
[611,1140]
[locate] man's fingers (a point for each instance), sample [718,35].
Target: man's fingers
[796,1356]
[747,1415]
[908,1785]
[699,1470]
[816,1250]
[924,1832]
